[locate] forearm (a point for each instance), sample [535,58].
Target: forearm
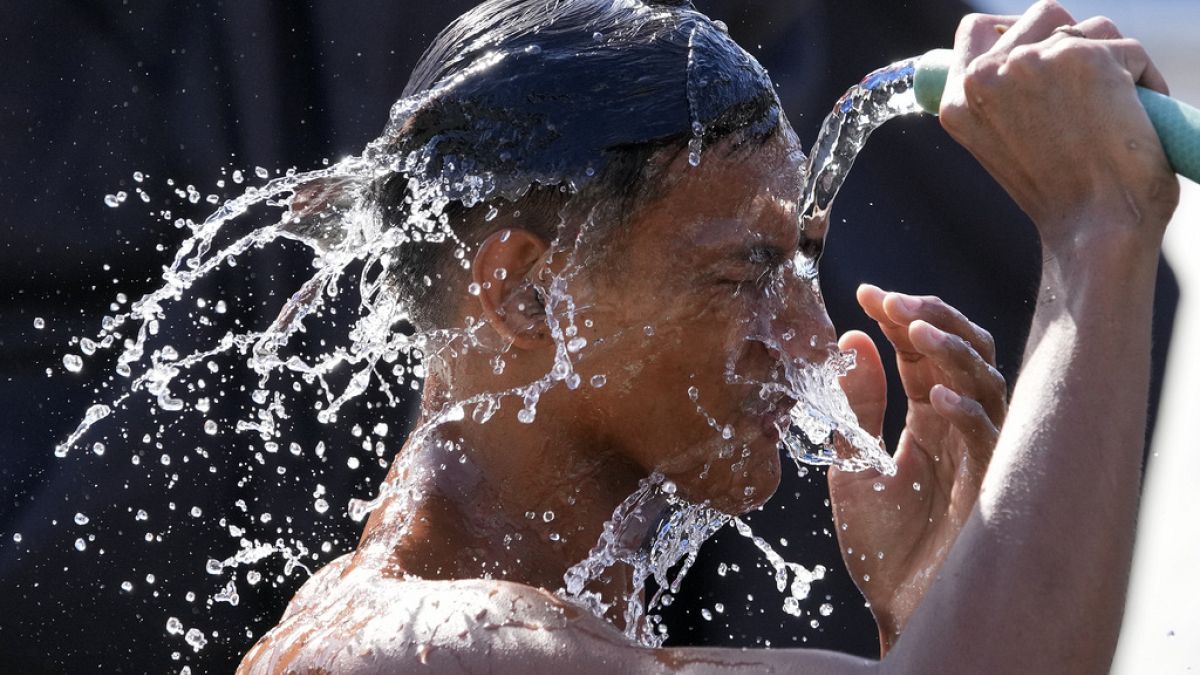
[1036,580]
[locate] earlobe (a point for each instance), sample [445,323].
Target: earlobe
[503,270]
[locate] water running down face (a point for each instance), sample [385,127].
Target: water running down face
[689,317]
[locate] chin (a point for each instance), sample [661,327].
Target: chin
[748,487]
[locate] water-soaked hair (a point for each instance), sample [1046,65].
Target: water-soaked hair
[554,100]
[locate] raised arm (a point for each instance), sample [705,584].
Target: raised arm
[1036,581]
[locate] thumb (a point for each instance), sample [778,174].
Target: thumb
[865,386]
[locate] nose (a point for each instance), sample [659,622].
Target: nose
[799,323]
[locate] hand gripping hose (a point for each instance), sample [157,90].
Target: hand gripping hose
[1177,123]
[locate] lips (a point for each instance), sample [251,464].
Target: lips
[777,416]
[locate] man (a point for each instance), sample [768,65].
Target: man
[697,295]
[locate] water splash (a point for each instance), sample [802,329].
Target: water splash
[654,532]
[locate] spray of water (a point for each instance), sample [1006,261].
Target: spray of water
[654,533]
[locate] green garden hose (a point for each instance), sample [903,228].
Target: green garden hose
[1177,123]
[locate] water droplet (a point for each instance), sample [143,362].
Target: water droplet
[576,344]
[111,201]
[320,506]
[17,537]
[80,544]
[196,512]
[253,577]
[825,609]
[81,519]
[149,578]
[195,638]
[352,462]
[706,614]
[210,427]
[878,487]
[814,623]
[693,393]
[381,429]
[533,49]
[261,172]
[72,363]
[474,289]
[213,566]
[547,516]
[917,487]
[127,586]
[526,416]
[39,323]
[599,381]
[174,626]
[98,448]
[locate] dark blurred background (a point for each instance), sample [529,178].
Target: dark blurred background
[191,91]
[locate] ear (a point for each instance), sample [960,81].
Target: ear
[504,267]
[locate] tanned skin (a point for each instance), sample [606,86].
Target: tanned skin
[1017,550]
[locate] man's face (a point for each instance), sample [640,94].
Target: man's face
[709,295]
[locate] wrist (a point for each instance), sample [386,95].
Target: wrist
[1100,252]
[1103,229]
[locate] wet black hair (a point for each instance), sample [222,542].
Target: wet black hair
[550,98]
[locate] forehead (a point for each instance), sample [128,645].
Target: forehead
[734,193]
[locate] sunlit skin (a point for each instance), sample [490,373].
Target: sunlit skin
[697,266]
[724,244]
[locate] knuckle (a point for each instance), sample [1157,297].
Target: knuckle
[981,72]
[972,24]
[995,381]
[1054,10]
[1026,58]
[984,339]
[1106,26]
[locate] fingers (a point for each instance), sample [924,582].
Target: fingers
[1035,25]
[895,312]
[978,33]
[908,308]
[1099,28]
[964,370]
[971,420]
[866,385]
[937,344]
[1133,56]
[999,35]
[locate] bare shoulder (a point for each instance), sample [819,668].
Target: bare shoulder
[352,620]
[348,619]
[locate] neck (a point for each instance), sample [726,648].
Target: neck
[503,500]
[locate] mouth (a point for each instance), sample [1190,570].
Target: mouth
[776,418]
